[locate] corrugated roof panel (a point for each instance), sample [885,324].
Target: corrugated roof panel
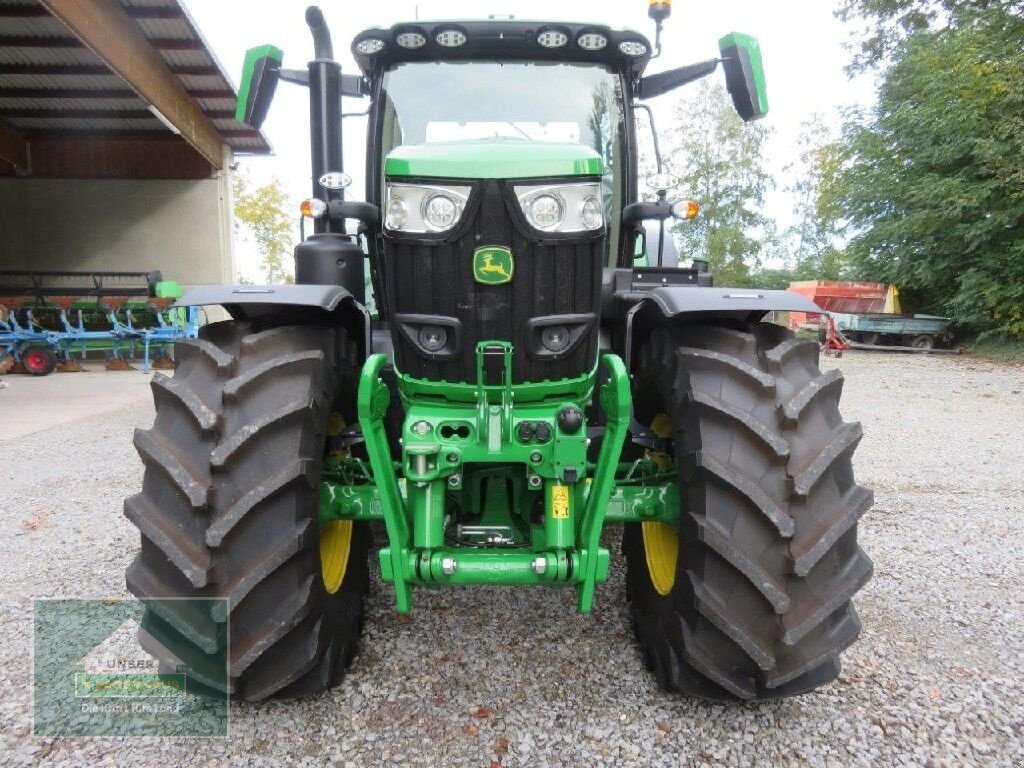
[43,26]
[173,29]
[208,104]
[203,82]
[60,124]
[84,82]
[149,3]
[71,105]
[187,58]
[70,56]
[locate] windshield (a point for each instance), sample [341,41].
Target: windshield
[463,101]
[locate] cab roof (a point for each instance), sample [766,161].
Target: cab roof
[492,39]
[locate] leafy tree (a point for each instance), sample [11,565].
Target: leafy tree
[885,24]
[811,241]
[262,211]
[933,179]
[719,158]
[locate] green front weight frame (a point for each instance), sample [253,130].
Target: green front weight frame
[578,498]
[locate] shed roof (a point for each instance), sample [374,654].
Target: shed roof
[52,85]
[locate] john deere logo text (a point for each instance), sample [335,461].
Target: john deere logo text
[493,265]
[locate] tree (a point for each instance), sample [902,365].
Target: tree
[885,24]
[933,180]
[811,241]
[719,159]
[262,211]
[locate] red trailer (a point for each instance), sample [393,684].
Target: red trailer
[837,296]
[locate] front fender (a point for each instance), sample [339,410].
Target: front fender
[706,304]
[672,301]
[330,304]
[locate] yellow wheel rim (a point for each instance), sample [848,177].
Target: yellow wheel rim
[335,545]
[661,548]
[661,542]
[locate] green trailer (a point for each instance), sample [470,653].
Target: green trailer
[525,383]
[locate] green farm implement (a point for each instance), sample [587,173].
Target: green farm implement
[533,371]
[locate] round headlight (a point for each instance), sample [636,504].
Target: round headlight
[450,38]
[591,41]
[591,215]
[545,212]
[397,212]
[632,48]
[440,211]
[552,38]
[555,338]
[411,40]
[433,338]
[370,46]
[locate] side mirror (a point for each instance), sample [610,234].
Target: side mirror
[260,73]
[744,75]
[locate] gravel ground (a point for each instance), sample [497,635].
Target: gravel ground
[515,677]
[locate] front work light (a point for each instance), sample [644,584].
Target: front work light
[591,41]
[411,40]
[552,38]
[450,38]
[632,48]
[370,46]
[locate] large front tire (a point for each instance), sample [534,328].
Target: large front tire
[229,509]
[749,597]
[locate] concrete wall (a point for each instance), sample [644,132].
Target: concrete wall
[179,227]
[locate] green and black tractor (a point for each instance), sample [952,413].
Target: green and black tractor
[534,366]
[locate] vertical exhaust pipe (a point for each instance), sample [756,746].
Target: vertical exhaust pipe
[324,117]
[329,256]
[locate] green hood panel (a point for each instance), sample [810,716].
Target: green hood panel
[492,159]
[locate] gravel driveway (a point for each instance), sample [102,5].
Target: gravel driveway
[515,677]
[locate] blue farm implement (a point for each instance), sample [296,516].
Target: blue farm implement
[47,319]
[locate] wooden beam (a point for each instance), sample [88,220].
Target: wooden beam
[13,147]
[105,27]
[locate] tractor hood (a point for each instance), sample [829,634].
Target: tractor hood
[493,159]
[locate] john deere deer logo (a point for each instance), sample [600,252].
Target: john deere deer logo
[493,265]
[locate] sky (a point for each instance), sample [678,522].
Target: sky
[802,44]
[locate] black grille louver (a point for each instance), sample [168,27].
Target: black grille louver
[428,276]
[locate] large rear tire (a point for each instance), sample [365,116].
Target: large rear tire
[229,508]
[749,597]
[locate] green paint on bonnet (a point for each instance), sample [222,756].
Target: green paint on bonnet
[492,159]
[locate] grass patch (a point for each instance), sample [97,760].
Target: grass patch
[998,347]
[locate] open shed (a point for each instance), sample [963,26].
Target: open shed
[117,137]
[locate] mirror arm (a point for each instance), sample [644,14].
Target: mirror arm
[663,82]
[297,76]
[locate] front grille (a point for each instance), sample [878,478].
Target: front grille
[430,277]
